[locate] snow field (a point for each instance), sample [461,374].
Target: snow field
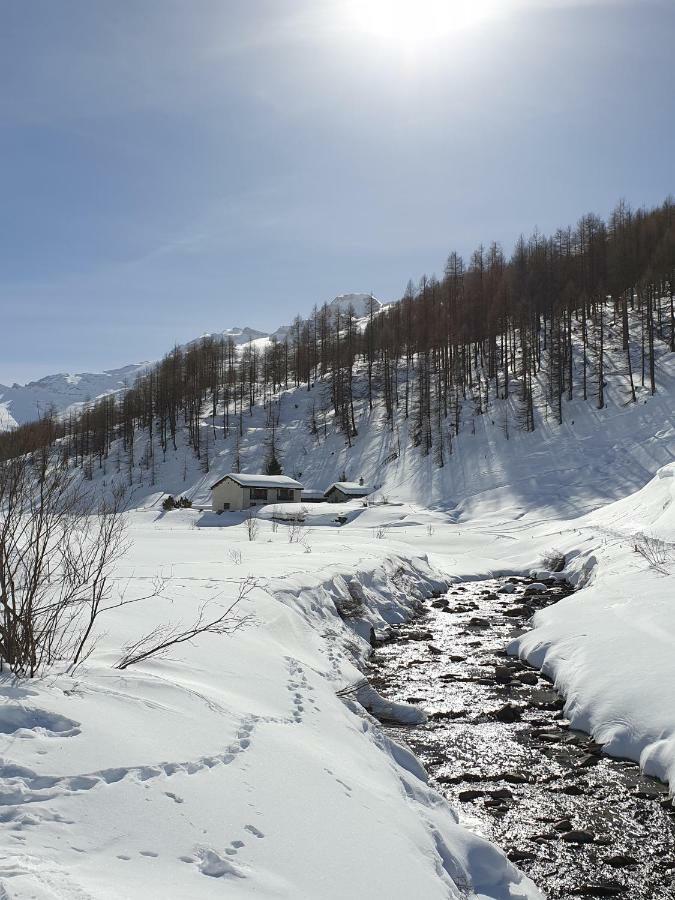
[232,764]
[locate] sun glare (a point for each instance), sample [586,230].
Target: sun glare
[414,22]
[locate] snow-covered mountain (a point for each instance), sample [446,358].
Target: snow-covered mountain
[360,303]
[242,336]
[26,402]
[23,403]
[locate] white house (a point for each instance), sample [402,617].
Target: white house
[237,491]
[341,491]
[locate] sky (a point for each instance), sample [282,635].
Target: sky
[171,167]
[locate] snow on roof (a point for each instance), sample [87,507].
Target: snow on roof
[260,481]
[350,487]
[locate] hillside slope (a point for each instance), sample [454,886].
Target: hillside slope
[492,467]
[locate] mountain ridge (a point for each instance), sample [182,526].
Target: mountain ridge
[61,391]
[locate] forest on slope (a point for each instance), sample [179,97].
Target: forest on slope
[489,328]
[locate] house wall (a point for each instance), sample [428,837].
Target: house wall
[229,491]
[239,497]
[337,496]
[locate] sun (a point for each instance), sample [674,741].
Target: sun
[415,22]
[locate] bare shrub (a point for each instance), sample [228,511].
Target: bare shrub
[380,532]
[656,552]
[58,546]
[297,533]
[252,525]
[351,607]
[553,560]
[430,529]
[234,555]
[160,640]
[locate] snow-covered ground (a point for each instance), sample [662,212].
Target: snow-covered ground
[237,762]
[234,759]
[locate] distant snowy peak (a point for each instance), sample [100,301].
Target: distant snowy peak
[362,304]
[281,333]
[22,403]
[243,335]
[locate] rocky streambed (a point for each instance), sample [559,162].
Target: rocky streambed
[497,745]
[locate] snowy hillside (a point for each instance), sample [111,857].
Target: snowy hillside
[492,467]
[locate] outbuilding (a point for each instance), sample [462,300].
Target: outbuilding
[341,491]
[237,491]
[309,496]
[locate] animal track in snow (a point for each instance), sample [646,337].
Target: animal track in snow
[35,722]
[215,866]
[301,689]
[19,785]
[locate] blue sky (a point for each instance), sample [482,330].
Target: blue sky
[170,168]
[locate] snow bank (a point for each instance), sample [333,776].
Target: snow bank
[610,646]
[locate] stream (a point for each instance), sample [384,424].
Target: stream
[497,745]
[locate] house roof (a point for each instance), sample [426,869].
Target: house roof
[352,488]
[260,481]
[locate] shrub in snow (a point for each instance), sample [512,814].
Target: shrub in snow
[553,560]
[656,552]
[59,544]
[353,606]
[234,555]
[252,525]
[170,503]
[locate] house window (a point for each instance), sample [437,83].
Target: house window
[258,493]
[285,493]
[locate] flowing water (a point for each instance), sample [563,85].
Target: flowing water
[496,744]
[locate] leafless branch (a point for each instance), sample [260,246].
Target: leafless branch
[167,635]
